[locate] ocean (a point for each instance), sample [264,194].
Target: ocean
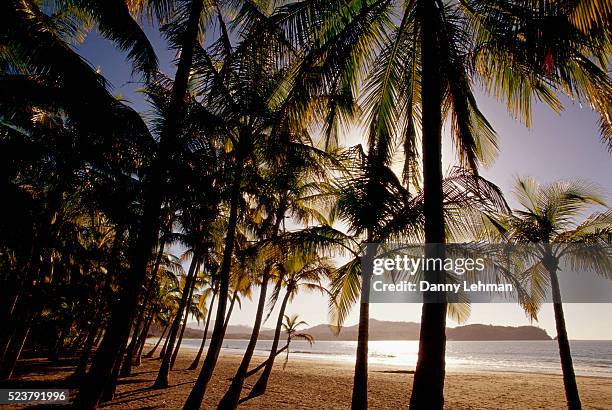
[591,358]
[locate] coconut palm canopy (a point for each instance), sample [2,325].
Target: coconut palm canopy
[238,160]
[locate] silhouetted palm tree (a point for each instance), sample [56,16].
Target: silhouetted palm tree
[297,271]
[213,289]
[288,193]
[290,326]
[548,220]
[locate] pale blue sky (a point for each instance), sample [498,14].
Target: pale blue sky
[556,147]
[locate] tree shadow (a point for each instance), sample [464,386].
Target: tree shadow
[41,366]
[395,371]
[147,372]
[148,388]
[131,399]
[131,381]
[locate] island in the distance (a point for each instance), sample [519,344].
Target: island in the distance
[388,330]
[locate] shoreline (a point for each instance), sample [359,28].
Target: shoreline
[325,385]
[344,360]
[399,369]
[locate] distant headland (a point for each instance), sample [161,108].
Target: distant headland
[389,330]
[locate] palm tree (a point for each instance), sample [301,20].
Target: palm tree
[230,399]
[548,221]
[287,195]
[126,368]
[161,337]
[170,269]
[590,14]
[298,270]
[194,310]
[181,317]
[81,368]
[246,93]
[340,49]
[165,301]
[242,279]
[213,288]
[376,206]
[290,326]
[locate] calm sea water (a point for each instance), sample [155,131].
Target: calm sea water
[591,358]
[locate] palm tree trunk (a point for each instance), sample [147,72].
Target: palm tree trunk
[97,325]
[143,340]
[229,311]
[196,361]
[180,339]
[360,379]
[567,367]
[126,369]
[111,386]
[162,353]
[118,329]
[17,310]
[14,350]
[16,331]
[7,337]
[99,336]
[163,375]
[152,351]
[55,350]
[9,297]
[5,340]
[265,362]
[287,354]
[194,401]
[10,319]
[428,385]
[101,378]
[81,368]
[262,383]
[126,366]
[78,343]
[232,396]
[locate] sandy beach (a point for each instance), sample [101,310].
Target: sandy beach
[318,385]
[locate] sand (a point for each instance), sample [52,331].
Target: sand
[310,384]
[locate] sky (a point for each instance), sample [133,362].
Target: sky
[556,147]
